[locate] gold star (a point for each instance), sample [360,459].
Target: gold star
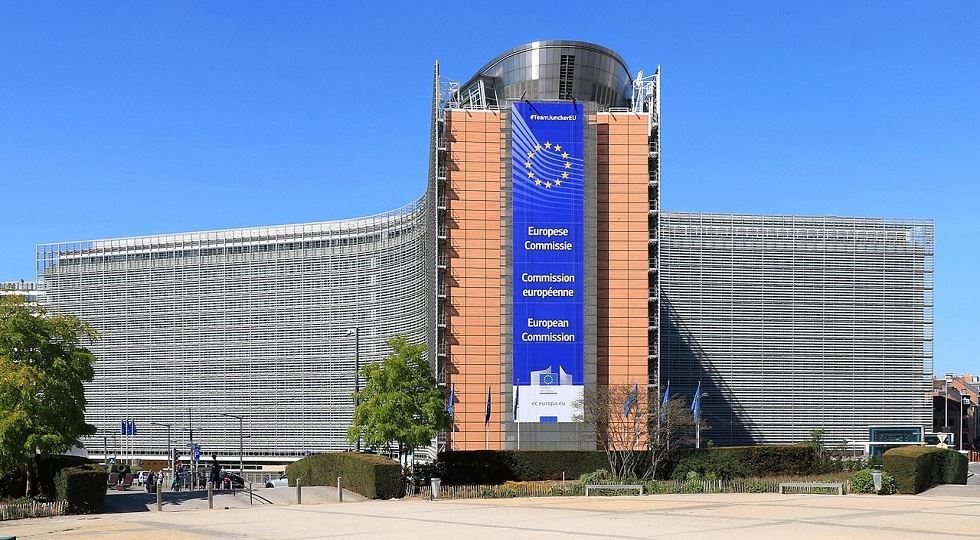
[527,164]
[530,174]
[537,147]
[557,182]
[547,185]
[557,148]
[564,155]
[547,145]
[568,165]
[564,175]
[537,182]
[530,154]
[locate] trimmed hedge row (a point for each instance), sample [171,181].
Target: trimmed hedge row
[83,488]
[729,462]
[917,468]
[499,466]
[953,467]
[371,475]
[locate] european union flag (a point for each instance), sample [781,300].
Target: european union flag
[696,404]
[450,404]
[630,400]
[548,379]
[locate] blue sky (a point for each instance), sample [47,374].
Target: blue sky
[120,119]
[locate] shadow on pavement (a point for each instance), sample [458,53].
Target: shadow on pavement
[117,502]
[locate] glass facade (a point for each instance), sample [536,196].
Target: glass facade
[251,322]
[795,323]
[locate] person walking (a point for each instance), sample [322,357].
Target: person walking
[215,472]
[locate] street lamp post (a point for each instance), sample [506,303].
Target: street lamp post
[193,477]
[241,444]
[965,400]
[170,450]
[356,332]
[949,379]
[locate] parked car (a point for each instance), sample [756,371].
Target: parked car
[230,479]
[282,481]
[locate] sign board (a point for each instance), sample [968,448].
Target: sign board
[548,199]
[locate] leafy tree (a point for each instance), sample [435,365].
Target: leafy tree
[43,368]
[400,403]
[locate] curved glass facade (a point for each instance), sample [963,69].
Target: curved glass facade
[251,322]
[551,70]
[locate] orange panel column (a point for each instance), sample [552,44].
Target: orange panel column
[474,265]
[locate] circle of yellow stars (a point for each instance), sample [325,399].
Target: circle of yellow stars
[547,183]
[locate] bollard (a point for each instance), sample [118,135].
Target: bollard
[299,491]
[159,499]
[340,490]
[210,495]
[250,494]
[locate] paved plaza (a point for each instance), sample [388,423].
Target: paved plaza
[754,516]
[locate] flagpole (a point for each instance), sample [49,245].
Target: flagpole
[517,400]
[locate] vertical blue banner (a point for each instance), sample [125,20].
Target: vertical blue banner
[548,197]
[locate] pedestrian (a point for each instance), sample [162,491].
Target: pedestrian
[215,472]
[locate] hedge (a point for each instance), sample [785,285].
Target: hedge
[952,467]
[917,468]
[49,465]
[83,488]
[729,462]
[371,475]
[497,467]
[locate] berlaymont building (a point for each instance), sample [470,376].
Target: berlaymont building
[537,263]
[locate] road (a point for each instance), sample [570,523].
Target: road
[755,516]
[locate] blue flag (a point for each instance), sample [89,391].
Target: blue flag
[486,419]
[666,396]
[630,400]
[122,427]
[451,405]
[696,404]
[132,427]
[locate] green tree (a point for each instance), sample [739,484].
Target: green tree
[43,369]
[400,403]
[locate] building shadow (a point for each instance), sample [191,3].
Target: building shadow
[683,363]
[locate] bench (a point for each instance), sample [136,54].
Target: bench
[624,487]
[810,486]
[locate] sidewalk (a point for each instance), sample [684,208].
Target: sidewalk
[753,516]
[119,502]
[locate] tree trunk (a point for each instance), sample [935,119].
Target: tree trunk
[31,484]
